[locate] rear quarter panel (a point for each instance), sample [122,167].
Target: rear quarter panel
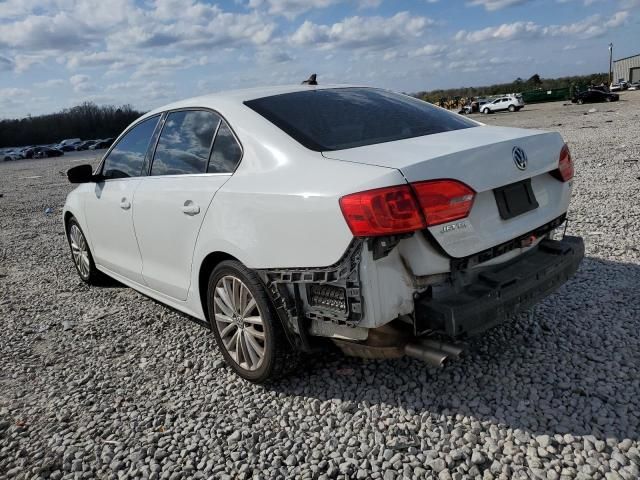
[281,207]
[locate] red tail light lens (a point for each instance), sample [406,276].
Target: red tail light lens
[444,200]
[383,211]
[565,165]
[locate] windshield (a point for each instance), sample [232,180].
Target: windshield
[340,118]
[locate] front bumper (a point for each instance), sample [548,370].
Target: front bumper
[501,291]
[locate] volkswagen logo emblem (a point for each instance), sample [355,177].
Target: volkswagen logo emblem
[519,158]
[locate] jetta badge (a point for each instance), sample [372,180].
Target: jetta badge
[519,158]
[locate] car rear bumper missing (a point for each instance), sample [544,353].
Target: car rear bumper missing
[501,291]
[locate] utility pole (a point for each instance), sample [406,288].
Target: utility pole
[610,63]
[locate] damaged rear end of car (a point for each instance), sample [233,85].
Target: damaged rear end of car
[468,240]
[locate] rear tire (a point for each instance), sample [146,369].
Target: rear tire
[580,101]
[246,327]
[608,99]
[81,254]
[512,108]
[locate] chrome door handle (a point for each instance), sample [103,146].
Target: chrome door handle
[190,208]
[125,204]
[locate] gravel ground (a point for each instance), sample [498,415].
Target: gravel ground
[105,383]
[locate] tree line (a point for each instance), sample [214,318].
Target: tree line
[517,86]
[86,121]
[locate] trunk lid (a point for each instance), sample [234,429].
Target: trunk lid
[482,158]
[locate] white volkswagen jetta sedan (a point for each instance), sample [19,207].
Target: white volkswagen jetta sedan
[293,218]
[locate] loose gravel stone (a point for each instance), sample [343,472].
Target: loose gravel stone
[132,389]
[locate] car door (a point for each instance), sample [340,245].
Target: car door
[108,207]
[196,154]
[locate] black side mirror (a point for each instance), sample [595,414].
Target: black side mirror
[82,174]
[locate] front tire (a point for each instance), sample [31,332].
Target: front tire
[580,101]
[246,327]
[81,254]
[485,111]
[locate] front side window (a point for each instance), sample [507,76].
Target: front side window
[338,118]
[226,151]
[126,159]
[185,143]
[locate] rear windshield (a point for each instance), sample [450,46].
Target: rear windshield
[340,118]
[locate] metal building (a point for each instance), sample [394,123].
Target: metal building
[627,69]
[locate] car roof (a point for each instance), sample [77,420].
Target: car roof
[237,97]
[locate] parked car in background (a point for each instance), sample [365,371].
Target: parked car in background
[70,141]
[512,103]
[46,152]
[634,86]
[12,155]
[594,96]
[66,148]
[100,144]
[475,106]
[290,217]
[86,144]
[616,87]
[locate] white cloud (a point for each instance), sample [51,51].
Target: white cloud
[290,8]
[293,8]
[111,59]
[593,26]
[492,5]
[194,26]
[51,83]
[361,32]
[429,50]
[41,32]
[80,83]
[618,19]
[12,92]
[160,66]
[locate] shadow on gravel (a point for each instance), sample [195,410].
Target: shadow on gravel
[572,367]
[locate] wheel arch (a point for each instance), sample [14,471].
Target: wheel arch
[67,216]
[207,265]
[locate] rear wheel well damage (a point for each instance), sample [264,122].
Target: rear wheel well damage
[206,267]
[315,301]
[327,295]
[209,264]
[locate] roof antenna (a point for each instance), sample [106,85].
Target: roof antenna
[311,80]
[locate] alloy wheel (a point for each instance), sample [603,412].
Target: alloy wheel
[80,251]
[239,322]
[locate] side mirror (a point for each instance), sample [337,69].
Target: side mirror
[82,174]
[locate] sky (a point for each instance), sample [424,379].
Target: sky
[58,53]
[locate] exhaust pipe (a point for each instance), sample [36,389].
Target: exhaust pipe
[425,353]
[450,349]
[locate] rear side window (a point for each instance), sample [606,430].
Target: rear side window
[126,159]
[226,151]
[185,143]
[335,119]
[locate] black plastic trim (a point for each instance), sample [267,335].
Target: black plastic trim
[500,291]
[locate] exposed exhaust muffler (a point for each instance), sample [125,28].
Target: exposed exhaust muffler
[425,353]
[433,352]
[452,351]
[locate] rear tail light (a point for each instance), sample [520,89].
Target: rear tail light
[444,201]
[406,208]
[565,165]
[383,211]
